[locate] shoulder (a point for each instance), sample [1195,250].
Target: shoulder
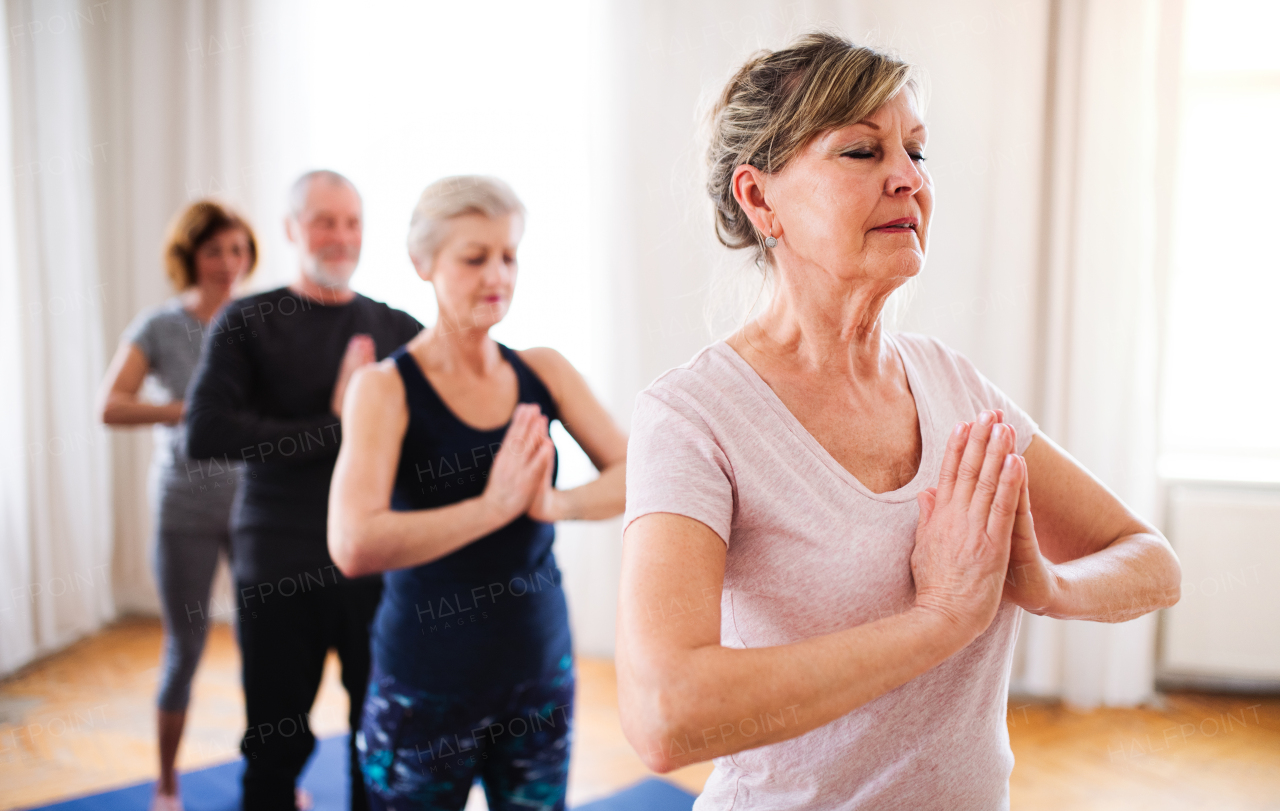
[710,379]
[946,369]
[378,387]
[145,323]
[953,378]
[712,393]
[554,373]
[256,305]
[548,364]
[382,308]
[254,299]
[931,357]
[920,345]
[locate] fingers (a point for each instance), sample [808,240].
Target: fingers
[545,458]
[549,449]
[999,446]
[1004,506]
[927,500]
[527,427]
[360,345]
[970,467]
[951,461]
[360,352]
[1022,525]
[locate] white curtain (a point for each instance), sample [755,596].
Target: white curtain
[1100,306]
[55,581]
[174,85]
[115,115]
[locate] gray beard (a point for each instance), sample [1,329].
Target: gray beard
[320,275]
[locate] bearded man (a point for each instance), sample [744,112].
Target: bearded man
[269,392]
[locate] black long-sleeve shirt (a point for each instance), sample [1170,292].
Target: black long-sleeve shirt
[262,394]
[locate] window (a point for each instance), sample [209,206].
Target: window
[1221,380]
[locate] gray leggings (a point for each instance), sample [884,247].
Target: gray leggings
[191,521]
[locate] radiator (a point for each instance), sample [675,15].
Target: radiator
[1225,631]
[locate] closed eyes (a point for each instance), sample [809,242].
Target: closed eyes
[865,154]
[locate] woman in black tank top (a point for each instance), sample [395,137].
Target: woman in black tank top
[445,482]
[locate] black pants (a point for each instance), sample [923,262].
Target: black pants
[286,630]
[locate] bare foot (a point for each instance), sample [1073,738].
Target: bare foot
[166,802]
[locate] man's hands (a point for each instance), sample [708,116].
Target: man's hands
[521,472]
[963,537]
[360,352]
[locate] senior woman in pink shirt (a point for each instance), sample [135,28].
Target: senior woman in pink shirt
[829,530]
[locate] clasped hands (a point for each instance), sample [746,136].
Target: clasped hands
[975,541]
[520,478]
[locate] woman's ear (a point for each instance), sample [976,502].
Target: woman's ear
[748,190]
[423,268]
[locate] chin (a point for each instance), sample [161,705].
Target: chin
[489,320]
[333,276]
[903,264]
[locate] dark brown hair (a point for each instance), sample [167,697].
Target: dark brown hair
[193,227]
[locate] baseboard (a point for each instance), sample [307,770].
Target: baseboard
[1173,680]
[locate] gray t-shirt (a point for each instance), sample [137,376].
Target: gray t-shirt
[171,339]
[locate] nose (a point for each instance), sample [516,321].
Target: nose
[495,270]
[905,177]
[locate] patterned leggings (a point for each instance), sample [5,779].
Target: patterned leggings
[424,750]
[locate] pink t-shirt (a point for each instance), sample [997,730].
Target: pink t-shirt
[812,551]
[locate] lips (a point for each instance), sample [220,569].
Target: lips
[908,224]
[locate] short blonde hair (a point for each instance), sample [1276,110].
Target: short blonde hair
[778,102]
[451,197]
[193,227]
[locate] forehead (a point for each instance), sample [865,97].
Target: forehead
[898,116]
[232,233]
[466,229]
[331,197]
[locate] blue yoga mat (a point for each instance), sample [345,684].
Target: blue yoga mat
[217,788]
[647,795]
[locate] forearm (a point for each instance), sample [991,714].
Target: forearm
[1133,576]
[131,411]
[394,539]
[716,701]
[602,498]
[226,419]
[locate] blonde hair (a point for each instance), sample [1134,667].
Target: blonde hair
[451,197]
[193,227]
[778,102]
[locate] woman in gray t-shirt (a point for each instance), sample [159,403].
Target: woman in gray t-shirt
[209,250]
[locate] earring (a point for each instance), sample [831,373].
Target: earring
[770,242]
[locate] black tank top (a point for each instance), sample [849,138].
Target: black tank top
[493,610]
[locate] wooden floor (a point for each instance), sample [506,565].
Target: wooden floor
[82,721]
